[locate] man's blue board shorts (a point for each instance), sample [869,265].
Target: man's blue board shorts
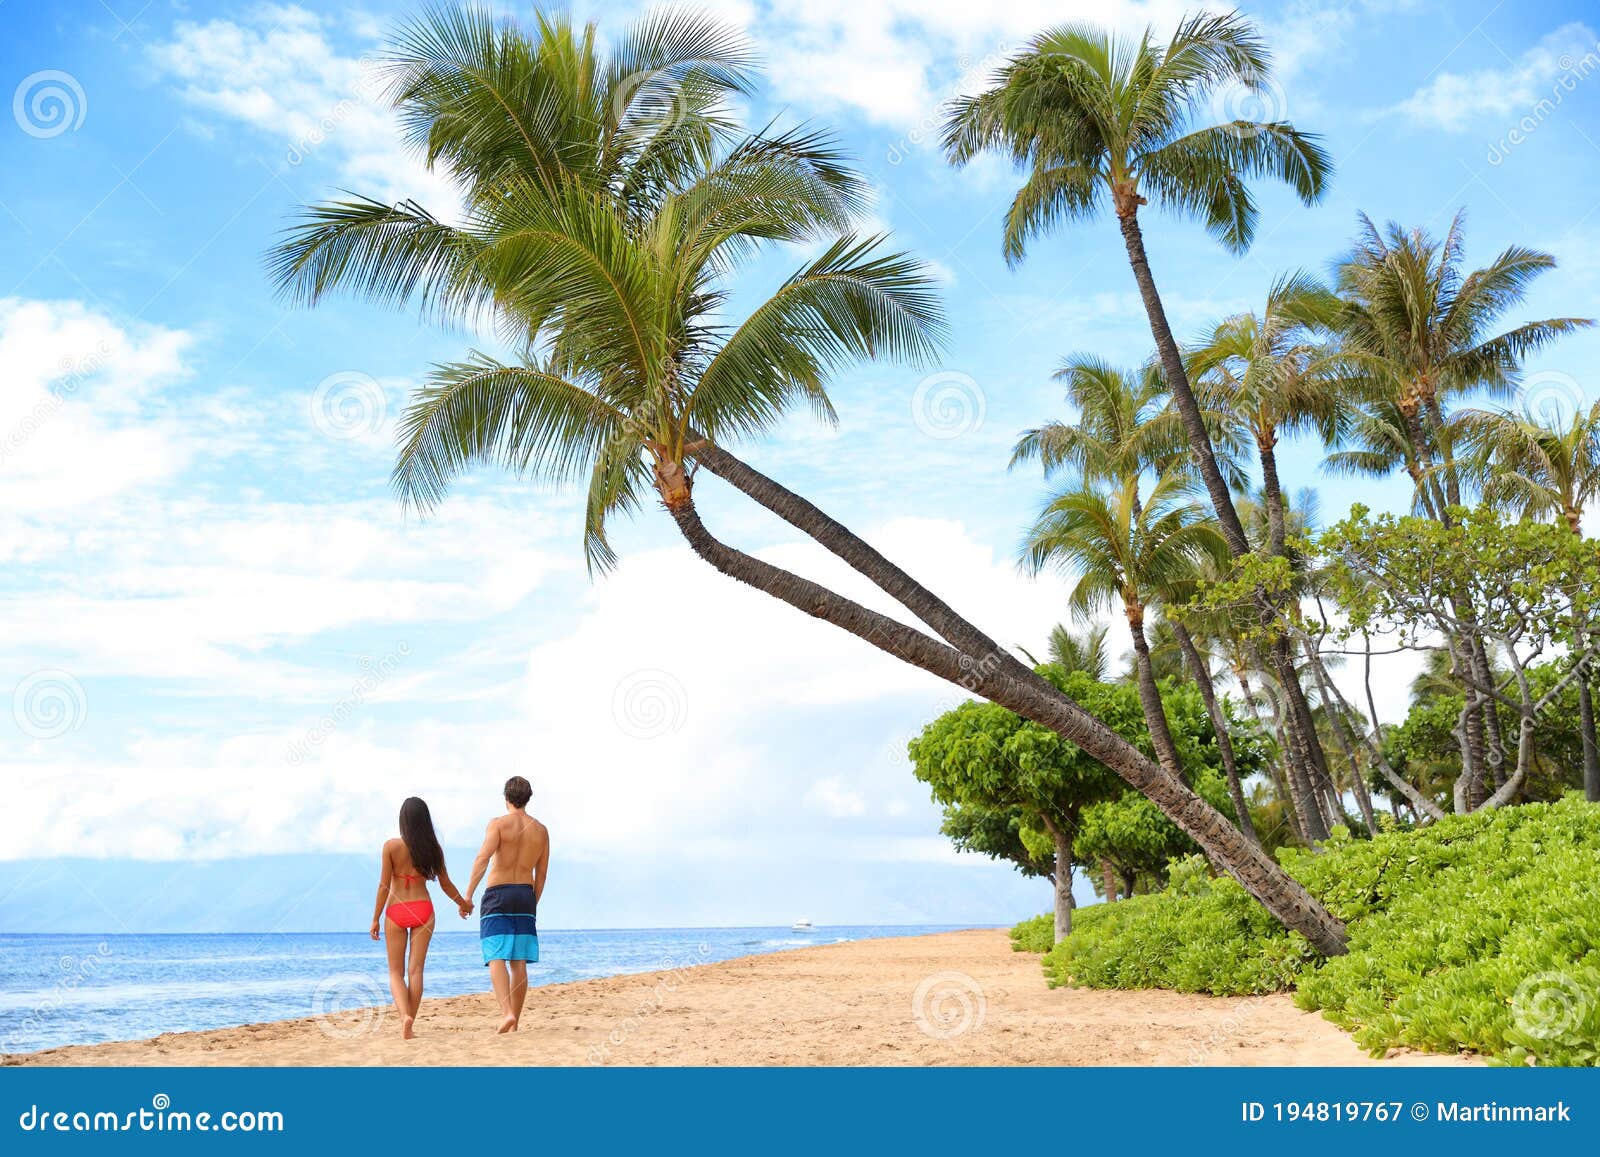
[507,926]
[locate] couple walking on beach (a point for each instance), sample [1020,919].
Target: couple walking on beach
[515,856]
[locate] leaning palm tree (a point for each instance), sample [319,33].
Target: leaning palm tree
[1126,548]
[631,377]
[1542,471]
[1099,120]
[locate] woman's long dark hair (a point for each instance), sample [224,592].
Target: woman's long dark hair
[416,829]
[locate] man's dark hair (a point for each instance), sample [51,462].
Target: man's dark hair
[518,791]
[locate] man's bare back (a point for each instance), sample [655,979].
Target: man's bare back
[518,847]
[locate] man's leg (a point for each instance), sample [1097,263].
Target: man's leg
[519,989]
[501,980]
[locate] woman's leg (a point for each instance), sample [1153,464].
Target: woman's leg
[394,940]
[418,961]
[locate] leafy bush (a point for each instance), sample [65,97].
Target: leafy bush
[1478,933]
[1035,935]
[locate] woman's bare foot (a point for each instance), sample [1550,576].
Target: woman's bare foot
[508,1024]
[405,1027]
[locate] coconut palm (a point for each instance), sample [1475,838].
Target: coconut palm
[631,377]
[1099,120]
[1542,471]
[1416,331]
[1086,651]
[1272,375]
[1127,549]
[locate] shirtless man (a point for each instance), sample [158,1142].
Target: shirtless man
[508,929]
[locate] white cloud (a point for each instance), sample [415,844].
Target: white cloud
[74,382]
[280,72]
[834,798]
[1453,100]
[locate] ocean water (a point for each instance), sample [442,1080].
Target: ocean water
[66,990]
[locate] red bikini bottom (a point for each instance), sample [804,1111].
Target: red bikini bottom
[411,913]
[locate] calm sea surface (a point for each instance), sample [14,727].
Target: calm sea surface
[65,990]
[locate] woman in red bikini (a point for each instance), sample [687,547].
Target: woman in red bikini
[404,907]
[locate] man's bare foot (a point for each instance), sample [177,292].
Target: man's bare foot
[509,1024]
[405,1027]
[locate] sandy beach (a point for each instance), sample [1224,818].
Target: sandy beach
[954,998]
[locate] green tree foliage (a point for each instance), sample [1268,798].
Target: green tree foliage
[1478,933]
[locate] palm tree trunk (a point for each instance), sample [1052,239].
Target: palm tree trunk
[1205,459]
[1183,398]
[1344,737]
[1591,756]
[1277,768]
[1257,873]
[1219,728]
[1155,712]
[1297,756]
[1108,880]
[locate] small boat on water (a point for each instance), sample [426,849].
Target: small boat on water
[801,925]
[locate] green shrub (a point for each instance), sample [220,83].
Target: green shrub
[1035,935]
[1479,932]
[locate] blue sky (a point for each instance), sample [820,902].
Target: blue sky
[225,643]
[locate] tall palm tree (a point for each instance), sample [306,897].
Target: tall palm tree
[1101,120]
[631,378]
[1127,549]
[1272,375]
[1543,471]
[1417,330]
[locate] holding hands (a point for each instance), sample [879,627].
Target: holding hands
[465,907]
